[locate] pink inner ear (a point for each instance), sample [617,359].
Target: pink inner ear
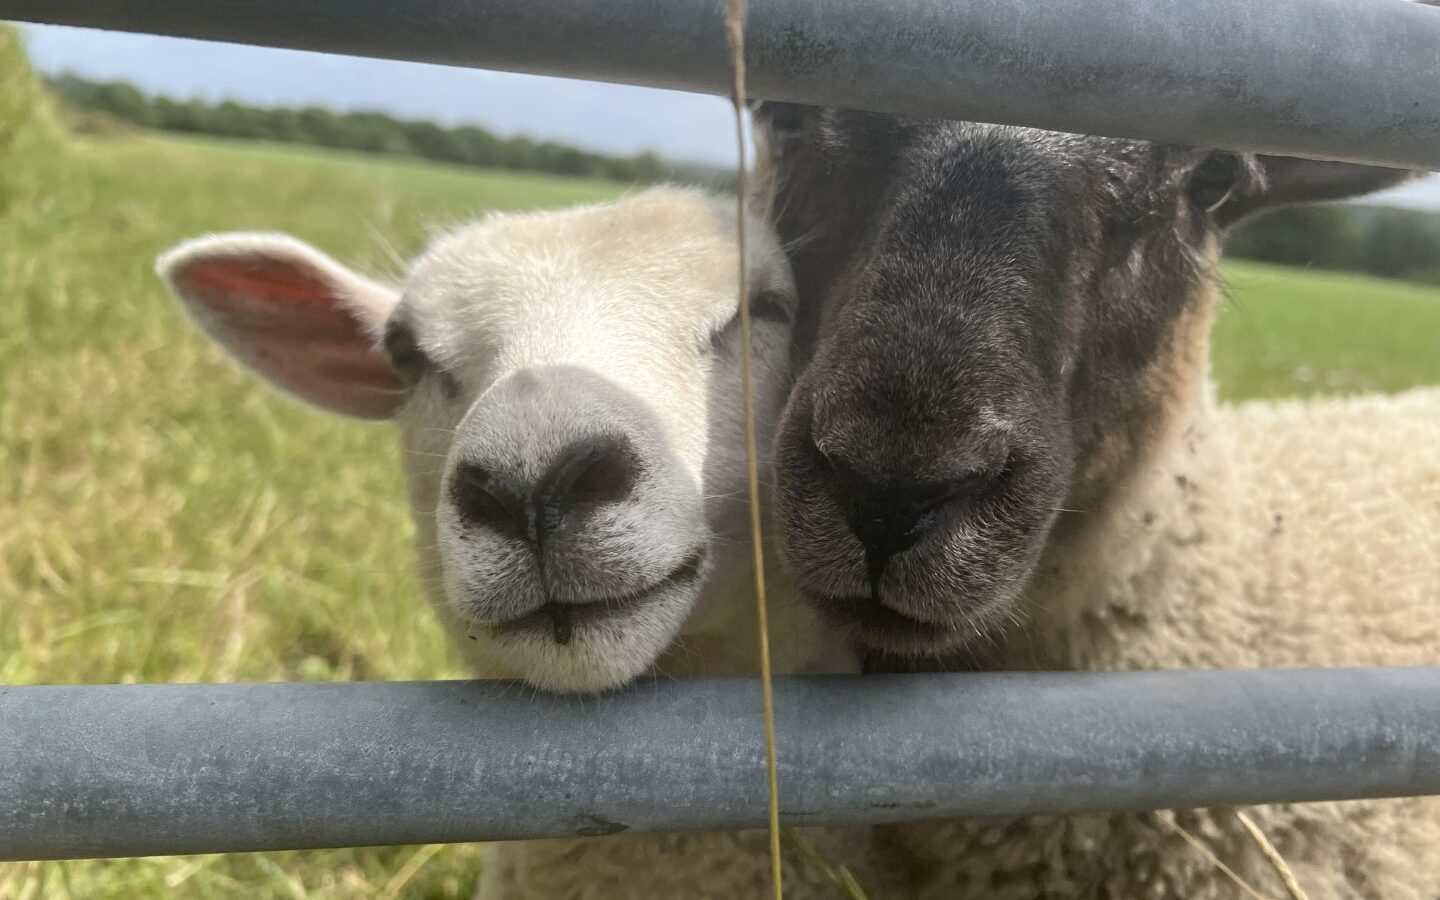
[291,326]
[260,279]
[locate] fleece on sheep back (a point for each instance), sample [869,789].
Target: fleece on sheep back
[1266,534]
[721,865]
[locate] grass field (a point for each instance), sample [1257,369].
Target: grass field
[163,518]
[1293,332]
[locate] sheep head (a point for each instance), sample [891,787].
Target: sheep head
[566,385]
[1004,322]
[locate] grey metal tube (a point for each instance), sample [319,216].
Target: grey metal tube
[161,769]
[1338,79]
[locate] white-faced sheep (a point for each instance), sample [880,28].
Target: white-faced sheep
[1004,454]
[566,387]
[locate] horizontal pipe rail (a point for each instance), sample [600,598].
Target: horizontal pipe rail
[1330,79]
[130,770]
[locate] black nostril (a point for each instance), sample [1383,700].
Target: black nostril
[487,500]
[888,518]
[889,515]
[587,474]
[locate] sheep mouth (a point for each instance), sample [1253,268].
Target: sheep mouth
[559,620]
[883,627]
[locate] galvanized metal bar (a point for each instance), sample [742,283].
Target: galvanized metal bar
[1338,79]
[159,769]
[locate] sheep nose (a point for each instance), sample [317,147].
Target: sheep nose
[890,517]
[584,475]
[587,474]
[888,512]
[486,498]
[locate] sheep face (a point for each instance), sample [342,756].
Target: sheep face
[567,389]
[1001,320]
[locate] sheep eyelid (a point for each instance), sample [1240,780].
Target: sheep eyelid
[410,362]
[765,306]
[769,306]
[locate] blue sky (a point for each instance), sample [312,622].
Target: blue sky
[609,118]
[605,117]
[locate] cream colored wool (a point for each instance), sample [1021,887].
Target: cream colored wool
[693,866]
[1267,534]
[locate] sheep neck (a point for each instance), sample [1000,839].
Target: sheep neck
[1126,547]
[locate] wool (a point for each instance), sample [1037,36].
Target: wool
[1276,534]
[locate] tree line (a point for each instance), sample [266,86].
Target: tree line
[1391,243]
[367,132]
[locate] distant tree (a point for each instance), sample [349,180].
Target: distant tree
[321,126]
[649,167]
[123,101]
[372,132]
[618,169]
[432,142]
[1322,236]
[563,160]
[479,147]
[365,132]
[285,126]
[1402,243]
[74,90]
[232,119]
[521,153]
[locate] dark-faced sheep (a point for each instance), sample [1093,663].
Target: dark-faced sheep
[1005,454]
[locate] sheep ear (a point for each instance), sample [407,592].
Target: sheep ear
[784,120]
[1288,180]
[293,315]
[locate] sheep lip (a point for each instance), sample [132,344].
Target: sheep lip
[588,612]
[883,626]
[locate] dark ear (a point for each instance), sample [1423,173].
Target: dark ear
[778,126]
[782,120]
[1288,180]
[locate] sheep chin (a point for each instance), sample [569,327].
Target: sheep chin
[601,653]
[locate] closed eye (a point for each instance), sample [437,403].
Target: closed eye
[769,305]
[765,306]
[409,360]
